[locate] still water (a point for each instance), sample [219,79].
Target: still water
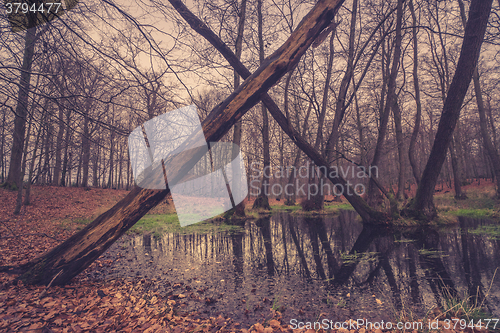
[310,268]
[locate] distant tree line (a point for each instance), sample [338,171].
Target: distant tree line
[370,91]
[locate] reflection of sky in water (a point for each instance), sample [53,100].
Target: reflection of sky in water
[171,148]
[293,264]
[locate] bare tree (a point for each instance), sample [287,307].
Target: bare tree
[418,102]
[422,206]
[488,144]
[14,178]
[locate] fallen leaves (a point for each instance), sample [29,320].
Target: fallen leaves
[127,307]
[54,214]
[85,304]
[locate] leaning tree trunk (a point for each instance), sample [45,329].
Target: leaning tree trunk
[367,214]
[71,257]
[422,206]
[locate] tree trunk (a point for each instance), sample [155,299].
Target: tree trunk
[95,178]
[418,115]
[86,143]
[291,199]
[422,206]
[119,181]
[487,142]
[262,201]
[457,179]
[238,50]
[32,165]
[374,195]
[2,147]
[316,201]
[56,180]
[21,110]
[19,201]
[66,150]
[361,137]
[111,162]
[239,210]
[71,257]
[401,154]
[46,153]
[344,86]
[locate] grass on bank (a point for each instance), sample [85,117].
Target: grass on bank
[169,223]
[329,208]
[480,203]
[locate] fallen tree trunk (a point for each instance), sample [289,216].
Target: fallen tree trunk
[61,264]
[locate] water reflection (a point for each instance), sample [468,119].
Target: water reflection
[307,267]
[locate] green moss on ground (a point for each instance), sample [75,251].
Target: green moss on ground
[479,204]
[166,223]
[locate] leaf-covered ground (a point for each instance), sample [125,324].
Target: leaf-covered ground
[85,304]
[88,305]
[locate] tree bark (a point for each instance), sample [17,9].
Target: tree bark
[317,200]
[32,164]
[2,146]
[418,115]
[239,210]
[487,142]
[19,134]
[457,172]
[56,180]
[344,87]
[86,143]
[262,201]
[66,150]
[71,257]
[238,51]
[19,201]
[374,195]
[401,153]
[422,206]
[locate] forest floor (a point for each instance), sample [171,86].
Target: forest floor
[85,304]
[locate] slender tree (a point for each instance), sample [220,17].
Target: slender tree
[418,103]
[422,206]
[487,142]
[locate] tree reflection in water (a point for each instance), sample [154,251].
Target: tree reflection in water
[306,266]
